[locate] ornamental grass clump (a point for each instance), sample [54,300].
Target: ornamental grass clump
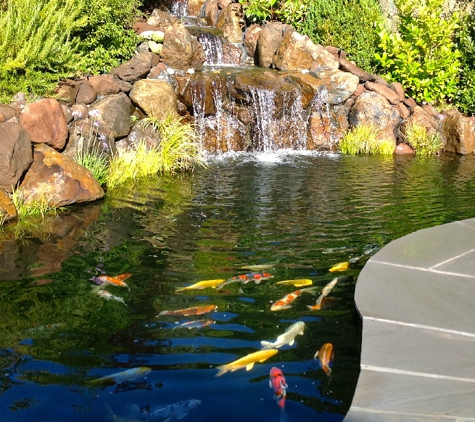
[423,143]
[363,139]
[38,206]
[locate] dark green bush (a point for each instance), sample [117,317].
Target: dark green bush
[465,41]
[346,24]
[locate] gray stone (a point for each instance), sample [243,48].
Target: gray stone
[113,112]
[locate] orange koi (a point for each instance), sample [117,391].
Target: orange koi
[118,280]
[278,383]
[195,310]
[246,278]
[325,357]
[285,302]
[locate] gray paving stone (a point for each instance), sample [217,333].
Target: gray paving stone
[416,296]
[415,349]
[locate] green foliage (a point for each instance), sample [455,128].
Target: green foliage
[346,24]
[39,206]
[291,12]
[422,142]
[363,139]
[422,54]
[465,41]
[36,43]
[107,38]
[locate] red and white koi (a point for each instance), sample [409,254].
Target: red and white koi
[246,278]
[278,384]
[285,302]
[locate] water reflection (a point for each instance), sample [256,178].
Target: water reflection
[295,215]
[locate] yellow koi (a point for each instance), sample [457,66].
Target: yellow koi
[342,266]
[195,310]
[247,361]
[203,285]
[297,283]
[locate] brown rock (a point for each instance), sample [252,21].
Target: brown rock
[403,149]
[402,110]
[250,39]
[386,92]
[67,91]
[7,209]
[378,79]
[7,112]
[16,154]
[459,131]
[113,112]
[45,122]
[409,102]
[86,92]
[104,85]
[398,89]
[359,90]
[340,85]
[155,97]
[210,12]
[431,110]
[348,66]
[136,68]
[231,22]
[58,179]
[194,7]
[269,41]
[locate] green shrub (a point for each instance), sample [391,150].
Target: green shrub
[107,39]
[422,54]
[346,24]
[465,41]
[363,139]
[36,43]
[422,142]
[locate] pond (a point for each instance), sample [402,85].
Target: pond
[291,215]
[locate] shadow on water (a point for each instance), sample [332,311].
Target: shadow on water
[294,216]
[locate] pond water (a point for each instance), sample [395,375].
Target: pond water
[294,216]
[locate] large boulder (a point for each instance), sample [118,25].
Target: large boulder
[180,49]
[7,208]
[298,52]
[460,133]
[136,68]
[269,42]
[155,97]
[45,122]
[231,22]
[113,112]
[250,39]
[58,179]
[371,108]
[339,85]
[7,112]
[16,154]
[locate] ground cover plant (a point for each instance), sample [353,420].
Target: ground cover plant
[364,139]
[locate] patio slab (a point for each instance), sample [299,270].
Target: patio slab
[416,297]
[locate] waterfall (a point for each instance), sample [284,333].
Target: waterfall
[213,47]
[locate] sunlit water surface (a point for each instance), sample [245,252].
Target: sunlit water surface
[298,214]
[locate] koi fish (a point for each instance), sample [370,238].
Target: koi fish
[247,361]
[297,283]
[325,292]
[203,285]
[200,323]
[285,302]
[288,337]
[118,280]
[325,357]
[195,310]
[342,266]
[258,267]
[278,384]
[246,278]
[109,296]
[166,413]
[127,375]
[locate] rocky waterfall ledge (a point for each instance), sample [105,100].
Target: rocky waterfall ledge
[270,88]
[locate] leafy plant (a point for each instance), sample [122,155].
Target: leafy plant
[422,54]
[258,10]
[363,139]
[346,24]
[36,43]
[422,142]
[465,41]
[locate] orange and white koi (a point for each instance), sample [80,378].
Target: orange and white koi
[297,283]
[325,292]
[118,280]
[325,357]
[247,361]
[203,285]
[342,266]
[199,323]
[285,302]
[278,384]
[246,278]
[195,310]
